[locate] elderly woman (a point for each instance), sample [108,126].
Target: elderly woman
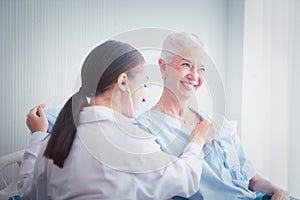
[227,174]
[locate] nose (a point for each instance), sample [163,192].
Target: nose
[194,74]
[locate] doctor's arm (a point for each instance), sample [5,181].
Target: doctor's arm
[38,125]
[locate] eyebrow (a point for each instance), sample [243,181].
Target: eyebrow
[185,59]
[182,58]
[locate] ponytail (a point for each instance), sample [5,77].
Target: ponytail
[99,72]
[63,132]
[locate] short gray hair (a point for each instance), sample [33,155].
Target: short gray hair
[175,43]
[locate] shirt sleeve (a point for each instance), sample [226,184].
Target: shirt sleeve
[183,176]
[247,168]
[26,183]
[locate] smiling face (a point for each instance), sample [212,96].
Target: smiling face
[183,73]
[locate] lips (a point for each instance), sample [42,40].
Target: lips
[189,85]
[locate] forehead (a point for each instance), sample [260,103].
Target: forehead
[195,55]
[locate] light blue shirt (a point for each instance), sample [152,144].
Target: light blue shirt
[226,171]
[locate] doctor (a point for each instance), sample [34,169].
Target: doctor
[94,150]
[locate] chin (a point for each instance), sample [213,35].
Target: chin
[187,95]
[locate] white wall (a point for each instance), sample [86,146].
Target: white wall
[43,44]
[294,162]
[234,60]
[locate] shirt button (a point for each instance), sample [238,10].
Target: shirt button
[226,165]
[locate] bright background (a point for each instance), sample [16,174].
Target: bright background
[253,44]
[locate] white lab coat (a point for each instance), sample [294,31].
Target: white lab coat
[110,158]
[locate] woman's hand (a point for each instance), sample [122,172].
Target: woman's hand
[259,184]
[201,134]
[280,194]
[36,119]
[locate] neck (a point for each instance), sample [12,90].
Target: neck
[113,101]
[171,105]
[178,109]
[102,100]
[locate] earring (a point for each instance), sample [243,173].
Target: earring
[163,76]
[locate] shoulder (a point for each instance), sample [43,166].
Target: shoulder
[151,120]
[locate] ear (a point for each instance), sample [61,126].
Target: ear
[162,66]
[122,81]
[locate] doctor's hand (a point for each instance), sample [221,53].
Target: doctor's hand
[280,194]
[36,119]
[201,132]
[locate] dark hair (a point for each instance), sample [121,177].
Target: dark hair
[99,72]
